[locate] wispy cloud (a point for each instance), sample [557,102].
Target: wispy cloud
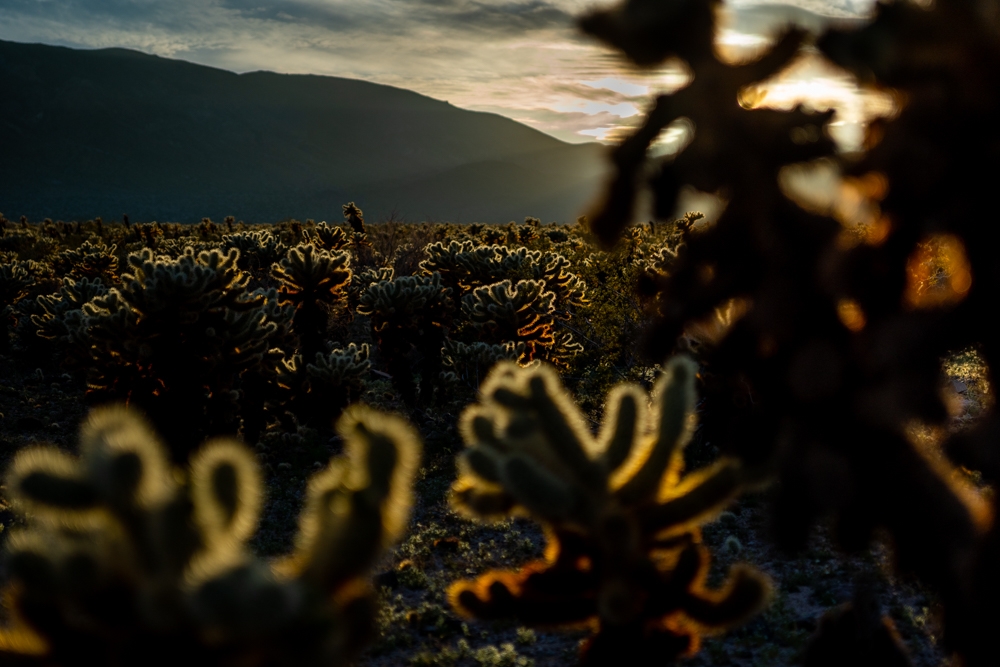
[522,58]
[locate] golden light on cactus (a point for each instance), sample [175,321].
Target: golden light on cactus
[227,492]
[360,503]
[621,519]
[103,539]
[938,273]
[115,431]
[46,483]
[851,315]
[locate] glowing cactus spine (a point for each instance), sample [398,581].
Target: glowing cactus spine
[624,553]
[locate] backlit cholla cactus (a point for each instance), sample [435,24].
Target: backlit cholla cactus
[465,266]
[92,259]
[175,340]
[314,282]
[126,561]
[62,317]
[14,283]
[569,288]
[469,363]
[329,237]
[462,265]
[362,280]
[409,316]
[355,218]
[316,392]
[624,553]
[523,312]
[259,251]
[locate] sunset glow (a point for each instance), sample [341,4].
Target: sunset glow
[524,59]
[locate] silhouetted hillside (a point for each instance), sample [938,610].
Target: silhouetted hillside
[113,131]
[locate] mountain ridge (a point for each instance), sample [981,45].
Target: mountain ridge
[112,131]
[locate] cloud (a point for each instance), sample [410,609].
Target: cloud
[522,58]
[507,17]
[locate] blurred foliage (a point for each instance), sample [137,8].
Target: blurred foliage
[821,325]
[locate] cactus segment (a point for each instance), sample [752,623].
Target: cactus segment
[675,396]
[127,561]
[621,518]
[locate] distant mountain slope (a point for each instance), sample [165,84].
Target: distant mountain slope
[87,133]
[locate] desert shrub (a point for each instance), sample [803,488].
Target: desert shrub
[26,243]
[122,563]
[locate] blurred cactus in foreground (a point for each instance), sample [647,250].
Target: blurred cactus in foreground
[126,561]
[828,317]
[624,551]
[469,364]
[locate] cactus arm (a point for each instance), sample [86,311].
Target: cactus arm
[676,402]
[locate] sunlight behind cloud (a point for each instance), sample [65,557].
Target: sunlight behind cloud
[618,85]
[524,59]
[814,82]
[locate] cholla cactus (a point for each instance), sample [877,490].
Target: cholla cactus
[317,392]
[14,283]
[621,519]
[570,289]
[521,313]
[128,562]
[62,317]
[462,265]
[92,259]
[362,280]
[469,363]
[259,250]
[313,281]
[329,237]
[175,340]
[355,218]
[466,266]
[409,316]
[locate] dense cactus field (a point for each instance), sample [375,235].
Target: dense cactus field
[763,439]
[257,339]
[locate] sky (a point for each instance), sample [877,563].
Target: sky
[520,58]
